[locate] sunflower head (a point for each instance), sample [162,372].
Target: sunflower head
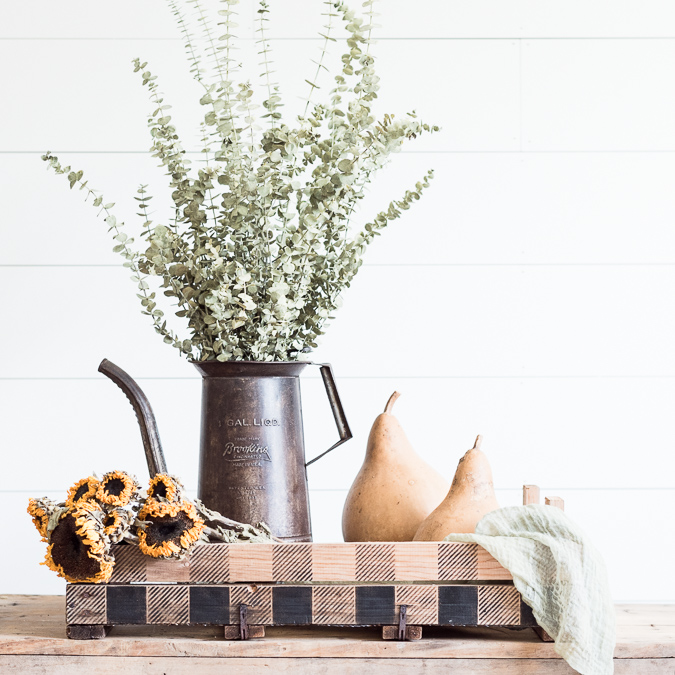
[79,549]
[82,491]
[40,511]
[164,486]
[116,523]
[169,530]
[117,488]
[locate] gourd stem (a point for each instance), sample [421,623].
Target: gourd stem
[391,401]
[476,445]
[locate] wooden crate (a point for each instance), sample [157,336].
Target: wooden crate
[400,586]
[446,584]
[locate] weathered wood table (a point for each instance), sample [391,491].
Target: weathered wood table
[33,640]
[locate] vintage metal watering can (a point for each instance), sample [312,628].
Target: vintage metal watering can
[252,464]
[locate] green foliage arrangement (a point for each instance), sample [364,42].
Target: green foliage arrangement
[261,244]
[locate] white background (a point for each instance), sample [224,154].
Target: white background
[528,297]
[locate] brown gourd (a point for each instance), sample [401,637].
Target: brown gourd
[471,496]
[395,489]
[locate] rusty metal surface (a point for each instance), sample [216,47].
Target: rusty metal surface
[146,418]
[252,455]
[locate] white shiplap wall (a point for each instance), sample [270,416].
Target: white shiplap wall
[528,297]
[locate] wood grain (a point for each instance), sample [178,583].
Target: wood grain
[489,569]
[68,665]
[363,562]
[36,625]
[333,605]
[336,562]
[419,563]
[530,494]
[167,570]
[558,502]
[250,563]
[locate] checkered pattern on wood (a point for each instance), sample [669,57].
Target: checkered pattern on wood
[85,604]
[360,562]
[290,604]
[292,562]
[168,603]
[208,563]
[498,605]
[130,564]
[421,601]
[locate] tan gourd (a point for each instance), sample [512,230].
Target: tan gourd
[471,496]
[394,491]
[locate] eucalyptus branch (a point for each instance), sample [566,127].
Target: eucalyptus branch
[122,247]
[273,100]
[324,50]
[188,41]
[261,242]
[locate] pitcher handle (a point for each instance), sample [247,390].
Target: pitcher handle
[336,407]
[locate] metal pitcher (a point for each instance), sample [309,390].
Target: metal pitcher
[252,464]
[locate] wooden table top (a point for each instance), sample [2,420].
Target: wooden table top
[35,626]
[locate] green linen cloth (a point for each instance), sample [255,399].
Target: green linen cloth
[560,575]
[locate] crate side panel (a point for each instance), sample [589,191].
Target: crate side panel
[292,562]
[457,562]
[210,604]
[498,606]
[421,601]
[210,563]
[85,604]
[130,564]
[258,600]
[458,605]
[333,605]
[334,562]
[126,605]
[168,604]
[416,561]
[250,562]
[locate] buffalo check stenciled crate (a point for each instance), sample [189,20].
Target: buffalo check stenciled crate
[437,584]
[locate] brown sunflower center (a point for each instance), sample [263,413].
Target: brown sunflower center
[159,490]
[109,521]
[70,552]
[81,491]
[167,528]
[114,487]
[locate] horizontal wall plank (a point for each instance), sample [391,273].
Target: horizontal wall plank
[595,95]
[605,516]
[302,19]
[492,18]
[583,95]
[85,20]
[572,433]
[550,208]
[436,321]
[87,80]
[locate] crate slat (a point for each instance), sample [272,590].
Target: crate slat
[316,563]
[289,604]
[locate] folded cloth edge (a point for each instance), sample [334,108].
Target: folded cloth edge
[523,585]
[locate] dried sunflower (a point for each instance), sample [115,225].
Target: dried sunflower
[117,488]
[79,549]
[164,486]
[116,523]
[40,510]
[169,530]
[83,490]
